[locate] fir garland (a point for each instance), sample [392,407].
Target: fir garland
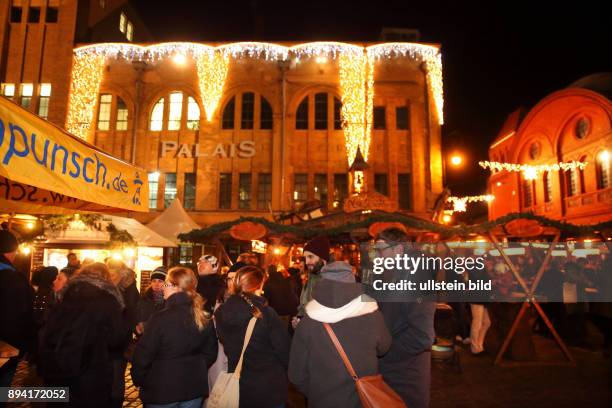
[201,235]
[61,222]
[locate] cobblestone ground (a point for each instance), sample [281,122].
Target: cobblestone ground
[480,385]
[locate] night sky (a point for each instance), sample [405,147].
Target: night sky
[495,58]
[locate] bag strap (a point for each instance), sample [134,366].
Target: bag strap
[247,338]
[343,355]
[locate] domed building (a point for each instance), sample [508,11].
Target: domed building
[572,124]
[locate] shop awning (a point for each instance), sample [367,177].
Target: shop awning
[173,221]
[44,169]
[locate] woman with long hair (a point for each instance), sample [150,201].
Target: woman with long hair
[263,381]
[172,357]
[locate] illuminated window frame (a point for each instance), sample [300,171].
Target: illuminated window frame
[104,111]
[121,123]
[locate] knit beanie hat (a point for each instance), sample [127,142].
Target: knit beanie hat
[318,246]
[213,261]
[8,242]
[159,273]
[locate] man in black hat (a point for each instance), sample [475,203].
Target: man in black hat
[16,297]
[316,254]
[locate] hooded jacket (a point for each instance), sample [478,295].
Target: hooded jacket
[361,330]
[263,381]
[16,317]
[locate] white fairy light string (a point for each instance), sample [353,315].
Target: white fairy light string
[212,63]
[460,203]
[531,172]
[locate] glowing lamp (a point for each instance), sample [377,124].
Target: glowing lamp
[604,156]
[179,59]
[277,251]
[25,249]
[30,225]
[456,160]
[117,256]
[447,218]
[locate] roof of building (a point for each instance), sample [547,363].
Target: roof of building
[510,126]
[600,82]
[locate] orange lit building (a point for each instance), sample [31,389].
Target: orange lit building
[573,124]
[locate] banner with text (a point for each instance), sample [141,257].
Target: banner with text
[44,166]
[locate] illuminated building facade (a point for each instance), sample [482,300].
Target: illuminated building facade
[570,125]
[247,128]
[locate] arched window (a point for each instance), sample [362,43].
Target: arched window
[265,114]
[249,103]
[157,115]
[602,169]
[528,193]
[177,110]
[547,180]
[327,112]
[301,116]
[228,114]
[193,114]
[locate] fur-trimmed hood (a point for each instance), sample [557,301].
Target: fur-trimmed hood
[335,301]
[79,287]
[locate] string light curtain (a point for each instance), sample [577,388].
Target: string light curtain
[356,65]
[460,203]
[87,71]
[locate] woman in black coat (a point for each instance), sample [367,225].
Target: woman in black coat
[263,381]
[281,296]
[172,357]
[80,335]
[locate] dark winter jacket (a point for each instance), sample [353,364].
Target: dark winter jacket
[16,314]
[306,296]
[81,333]
[172,357]
[147,306]
[211,288]
[280,294]
[315,366]
[263,382]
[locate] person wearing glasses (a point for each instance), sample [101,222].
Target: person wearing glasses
[407,365]
[211,285]
[179,344]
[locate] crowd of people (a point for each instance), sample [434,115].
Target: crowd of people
[81,325]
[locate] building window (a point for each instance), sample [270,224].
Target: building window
[26,95]
[190,191]
[248,110]
[122,115]
[602,168]
[193,114]
[104,111]
[404,191]
[528,199]
[153,186]
[265,115]
[402,118]
[186,254]
[300,189]
[175,110]
[340,188]
[301,115]
[16,13]
[129,34]
[52,14]
[337,114]
[380,121]
[320,111]
[157,116]
[169,189]
[320,189]
[381,184]
[34,15]
[244,190]
[547,179]
[123,23]
[225,191]
[228,114]
[264,191]
[43,100]
[571,177]
[8,90]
